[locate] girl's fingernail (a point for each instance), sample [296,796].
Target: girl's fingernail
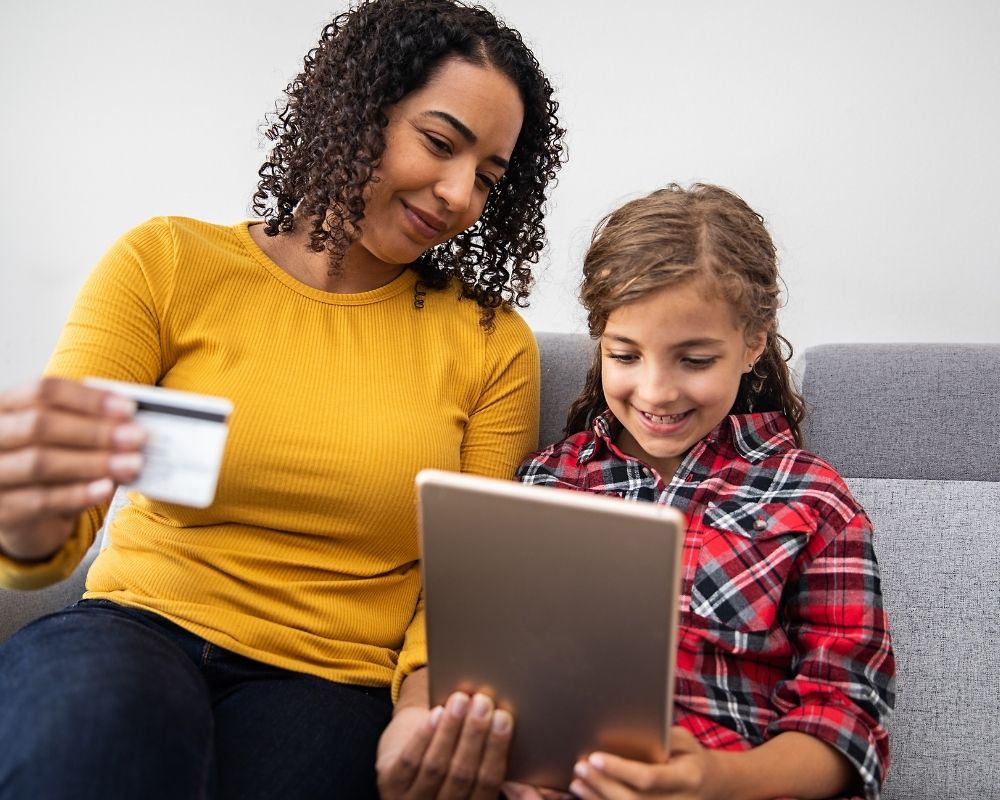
[580,769]
[436,713]
[576,787]
[502,721]
[98,490]
[121,406]
[597,760]
[125,463]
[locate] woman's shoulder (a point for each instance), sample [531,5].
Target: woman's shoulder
[179,226]
[170,238]
[461,319]
[164,248]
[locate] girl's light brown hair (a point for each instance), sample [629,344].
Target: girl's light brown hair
[675,235]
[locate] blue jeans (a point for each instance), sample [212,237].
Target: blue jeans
[103,701]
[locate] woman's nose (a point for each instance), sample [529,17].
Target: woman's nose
[456,187]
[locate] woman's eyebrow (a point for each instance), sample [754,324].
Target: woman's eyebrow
[465,131]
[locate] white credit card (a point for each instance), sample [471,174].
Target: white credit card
[187,436]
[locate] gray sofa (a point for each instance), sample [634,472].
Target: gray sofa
[915,430]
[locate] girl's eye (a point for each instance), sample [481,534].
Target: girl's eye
[700,363]
[621,358]
[486,180]
[437,144]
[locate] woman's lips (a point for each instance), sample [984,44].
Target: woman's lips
[426,224]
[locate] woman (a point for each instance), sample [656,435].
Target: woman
[363,331]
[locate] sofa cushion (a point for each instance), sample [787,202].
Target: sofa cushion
[936,546]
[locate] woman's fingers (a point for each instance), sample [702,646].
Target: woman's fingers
[68,395]
[465,770]
[23,505]
[35,522]
[438,756]
[63,446]
[49,426]
[398,772]
[46,465]
[493,766]
[36,465]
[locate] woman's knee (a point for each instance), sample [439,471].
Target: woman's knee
[109,700]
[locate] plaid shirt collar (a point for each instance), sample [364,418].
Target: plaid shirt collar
[752,436]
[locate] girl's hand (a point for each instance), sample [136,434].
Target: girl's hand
[63,446]
[691,773]
[458,750]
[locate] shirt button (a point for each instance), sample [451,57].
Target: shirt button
[647,472]
[759,524]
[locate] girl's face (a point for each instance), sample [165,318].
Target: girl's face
[446,145]
[671,365]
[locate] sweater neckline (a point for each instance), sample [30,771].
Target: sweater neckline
[405,282]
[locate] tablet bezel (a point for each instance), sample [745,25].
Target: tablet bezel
[560,604]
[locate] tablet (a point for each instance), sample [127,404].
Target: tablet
[562,606]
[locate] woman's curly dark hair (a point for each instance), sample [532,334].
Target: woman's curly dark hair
[329,138]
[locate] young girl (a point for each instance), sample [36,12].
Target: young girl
[785,671]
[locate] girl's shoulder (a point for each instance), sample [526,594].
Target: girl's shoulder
[776,469]
[806,479]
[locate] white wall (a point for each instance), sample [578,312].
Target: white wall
[866,133]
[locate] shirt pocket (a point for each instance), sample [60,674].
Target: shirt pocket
[747,552]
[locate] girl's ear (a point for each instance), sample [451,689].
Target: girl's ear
[756,344]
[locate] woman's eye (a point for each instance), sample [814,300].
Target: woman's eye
[699,363]
[486,180]
[439,145]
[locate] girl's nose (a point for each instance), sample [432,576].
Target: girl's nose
[658,391]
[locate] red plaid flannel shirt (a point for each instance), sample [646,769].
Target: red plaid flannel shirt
[781,620]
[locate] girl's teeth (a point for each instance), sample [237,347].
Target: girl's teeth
[665,419]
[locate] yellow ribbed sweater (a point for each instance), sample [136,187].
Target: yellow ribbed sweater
[308,557]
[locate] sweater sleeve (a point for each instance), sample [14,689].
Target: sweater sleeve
[502,429]
[113,331]
[843,688]
[503,426]
[114,327]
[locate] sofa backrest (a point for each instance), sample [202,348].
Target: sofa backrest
[566,357]
[915,430]
[910,411]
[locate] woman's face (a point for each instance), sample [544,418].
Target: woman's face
[446,145]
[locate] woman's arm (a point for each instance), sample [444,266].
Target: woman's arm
[63,445]
[460,749]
